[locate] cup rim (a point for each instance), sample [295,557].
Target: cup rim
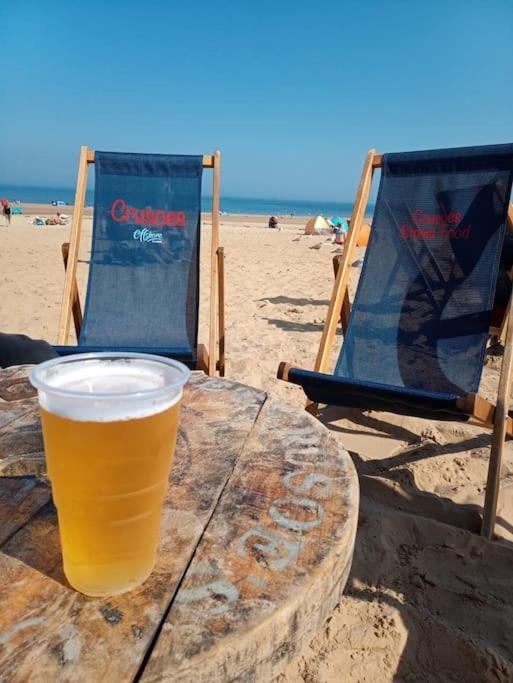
[41,385]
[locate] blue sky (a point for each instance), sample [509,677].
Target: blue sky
[293,93]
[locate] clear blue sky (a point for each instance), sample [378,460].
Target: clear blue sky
[293,93]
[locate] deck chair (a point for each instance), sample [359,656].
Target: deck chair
[416,336]
[143,286]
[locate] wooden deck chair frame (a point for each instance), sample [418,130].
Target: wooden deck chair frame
[496,417]
[206,357]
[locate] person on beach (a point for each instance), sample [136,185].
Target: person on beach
[6,207]
[56,221]
[273,222]
[340,235]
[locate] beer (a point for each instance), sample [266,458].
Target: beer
[109,428]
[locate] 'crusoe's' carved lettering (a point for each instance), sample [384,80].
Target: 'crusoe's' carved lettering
[216,596]
[277,552]
[312,506]
[294,516]
[318,485]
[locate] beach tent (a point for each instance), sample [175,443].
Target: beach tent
[418,328]
[143,286]
[363,235]
[316,225]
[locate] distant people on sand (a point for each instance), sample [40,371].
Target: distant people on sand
[340,230]
[6,211]
[273,222]
[339,235]
[58,220]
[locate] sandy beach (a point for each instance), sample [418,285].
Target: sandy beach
[427,599]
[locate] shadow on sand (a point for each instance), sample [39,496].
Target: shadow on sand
[294,301]
[414,556]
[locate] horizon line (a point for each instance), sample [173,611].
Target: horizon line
[230,196]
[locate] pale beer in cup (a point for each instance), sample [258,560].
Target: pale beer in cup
[109,429]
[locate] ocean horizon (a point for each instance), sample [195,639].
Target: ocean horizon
[33,194]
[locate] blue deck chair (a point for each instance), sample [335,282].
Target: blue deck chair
[143,286]
[416,336]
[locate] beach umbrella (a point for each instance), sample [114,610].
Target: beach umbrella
[340,223]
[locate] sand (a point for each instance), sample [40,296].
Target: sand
[427,599]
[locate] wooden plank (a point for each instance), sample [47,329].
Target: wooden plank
[14,385]
[10,412]
[38,545]
[208,159]
[20,499]
[273,562]
[482,410]
[222,349]
[75,306]
[345,312]
[20,496]
[21,445]
[212,344]
[74,243]
[50,632]
[342,279]
[499,434]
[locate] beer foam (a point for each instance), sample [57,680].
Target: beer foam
[93,390]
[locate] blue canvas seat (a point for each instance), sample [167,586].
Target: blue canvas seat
[419,324]
[143,285]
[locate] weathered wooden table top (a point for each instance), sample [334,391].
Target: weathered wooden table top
[257,539]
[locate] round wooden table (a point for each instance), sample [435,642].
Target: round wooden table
[257,539]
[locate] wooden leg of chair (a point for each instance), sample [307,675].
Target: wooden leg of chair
[202,358]
[345,311]
[499,435]
[75,306]
[221,332]
[74,245]
[342,279]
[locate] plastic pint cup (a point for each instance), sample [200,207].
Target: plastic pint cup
[109,429]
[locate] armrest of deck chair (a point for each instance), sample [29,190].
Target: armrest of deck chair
[221,330]
[76,308]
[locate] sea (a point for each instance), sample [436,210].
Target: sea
[229,205]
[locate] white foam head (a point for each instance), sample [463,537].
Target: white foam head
[108,387]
